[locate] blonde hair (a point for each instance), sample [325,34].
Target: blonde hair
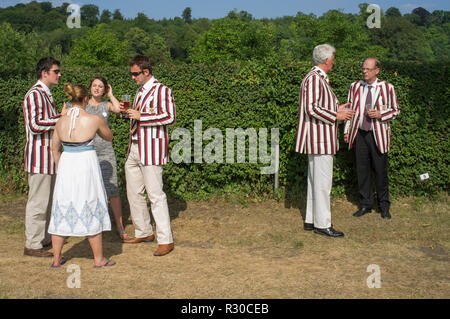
[76,92]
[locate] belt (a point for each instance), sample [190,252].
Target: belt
[134,141]
[78,149]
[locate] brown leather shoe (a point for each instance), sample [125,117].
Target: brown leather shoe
[137,240]
[37,252]
[163,249]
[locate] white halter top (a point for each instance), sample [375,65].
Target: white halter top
[74,112]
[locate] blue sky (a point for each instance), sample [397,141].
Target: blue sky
[214,9]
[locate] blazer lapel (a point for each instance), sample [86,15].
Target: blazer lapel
[147,98]
[377,93]
[357,97]
[48,102]
[377,103]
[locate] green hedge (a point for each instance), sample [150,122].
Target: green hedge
[259,95]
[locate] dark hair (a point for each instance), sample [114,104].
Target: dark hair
[142,61]
[101,78]
[76,92]
[45,64]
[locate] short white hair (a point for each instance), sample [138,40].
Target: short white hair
[322,52]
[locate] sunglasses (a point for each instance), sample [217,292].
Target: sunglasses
[137,73]
[56,71]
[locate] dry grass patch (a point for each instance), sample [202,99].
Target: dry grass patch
[226,250]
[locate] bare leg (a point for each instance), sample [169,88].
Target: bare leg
[97,249]
[116,207]
[57,243]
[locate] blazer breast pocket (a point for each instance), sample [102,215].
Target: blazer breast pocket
[149,107]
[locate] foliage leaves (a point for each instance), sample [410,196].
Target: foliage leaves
[98,48]
[260,94]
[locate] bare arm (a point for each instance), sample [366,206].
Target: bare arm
[114,104]
[56,147]
[103,130]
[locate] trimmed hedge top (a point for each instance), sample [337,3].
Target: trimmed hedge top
[258,95]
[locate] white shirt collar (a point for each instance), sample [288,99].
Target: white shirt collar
[374,84]
[149,83]
[45,87]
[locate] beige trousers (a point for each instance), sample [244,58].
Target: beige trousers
[139,179]
[38,210]
[320,178]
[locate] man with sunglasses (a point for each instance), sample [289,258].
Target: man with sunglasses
[148,150]
[40,116]
[375,103]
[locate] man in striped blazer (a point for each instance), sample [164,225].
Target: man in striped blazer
[369,131]
[40,117]
[148,150]
[317,137]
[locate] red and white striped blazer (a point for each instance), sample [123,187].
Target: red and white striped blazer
[385,101]
[157,108]
[40,116]
[317,122]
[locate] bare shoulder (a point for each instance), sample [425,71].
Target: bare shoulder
[59,122]
[62,119]
[90,116]
[89,119]
[97,119]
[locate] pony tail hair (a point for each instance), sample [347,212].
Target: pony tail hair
[75,92]
[69,90]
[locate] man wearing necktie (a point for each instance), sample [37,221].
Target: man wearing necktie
[319,112]
[40,117]
[369,131]
[148,150]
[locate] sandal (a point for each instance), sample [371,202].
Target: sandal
[109,263]
[62,262]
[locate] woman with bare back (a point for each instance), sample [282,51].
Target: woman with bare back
[79,205]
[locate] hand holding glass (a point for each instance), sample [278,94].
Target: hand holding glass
[125,102]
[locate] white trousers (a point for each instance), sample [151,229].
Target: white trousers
[139,179]
[38,209]
[320,178]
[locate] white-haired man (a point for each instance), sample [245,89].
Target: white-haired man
[317,136]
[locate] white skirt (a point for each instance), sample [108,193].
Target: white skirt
[80,206]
